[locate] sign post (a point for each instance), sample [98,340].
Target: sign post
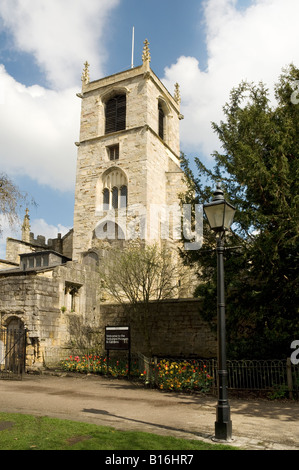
[117,338]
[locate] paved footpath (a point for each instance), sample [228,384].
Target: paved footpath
[257,424]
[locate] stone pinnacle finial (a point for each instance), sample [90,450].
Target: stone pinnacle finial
[146,57]
[26,228]
[177,95]
[85,74]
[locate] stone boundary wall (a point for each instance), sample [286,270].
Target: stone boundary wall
[177,329]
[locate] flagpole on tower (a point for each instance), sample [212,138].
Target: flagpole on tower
[132,60]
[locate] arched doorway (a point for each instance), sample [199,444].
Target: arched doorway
[12,348]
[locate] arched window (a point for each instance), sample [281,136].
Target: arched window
[115,114]
[106,199]
[161,121]
[123,196]
[115,198]
[114,189]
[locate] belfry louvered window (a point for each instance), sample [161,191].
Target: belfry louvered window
[115,114]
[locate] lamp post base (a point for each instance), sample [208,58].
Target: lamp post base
[223,431]
[223,423]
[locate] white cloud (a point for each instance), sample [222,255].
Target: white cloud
[61,34]
[38,126]
[41,227]
[253,44]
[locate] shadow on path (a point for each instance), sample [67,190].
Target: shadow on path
[160,426]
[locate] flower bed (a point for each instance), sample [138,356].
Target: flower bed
[96,364]
[167,375]
[182,376]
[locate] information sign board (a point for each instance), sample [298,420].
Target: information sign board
[117,338]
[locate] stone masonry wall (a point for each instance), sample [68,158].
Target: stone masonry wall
[177,329]
[39,299]
[34,300]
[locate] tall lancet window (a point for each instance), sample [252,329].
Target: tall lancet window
[123,197]
[115,198]
[106,199]
[161,121]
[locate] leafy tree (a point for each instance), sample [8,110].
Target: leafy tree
[258,169]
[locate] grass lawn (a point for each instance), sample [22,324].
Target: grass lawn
[26,432]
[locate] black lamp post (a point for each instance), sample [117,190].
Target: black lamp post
[220,216]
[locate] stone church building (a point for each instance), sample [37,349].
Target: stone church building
[127,164]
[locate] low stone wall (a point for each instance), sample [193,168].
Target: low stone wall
[177,329]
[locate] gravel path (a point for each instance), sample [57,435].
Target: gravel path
[257,424]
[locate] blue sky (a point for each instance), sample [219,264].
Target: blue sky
[206,46]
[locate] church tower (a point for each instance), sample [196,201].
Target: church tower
[128,155]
